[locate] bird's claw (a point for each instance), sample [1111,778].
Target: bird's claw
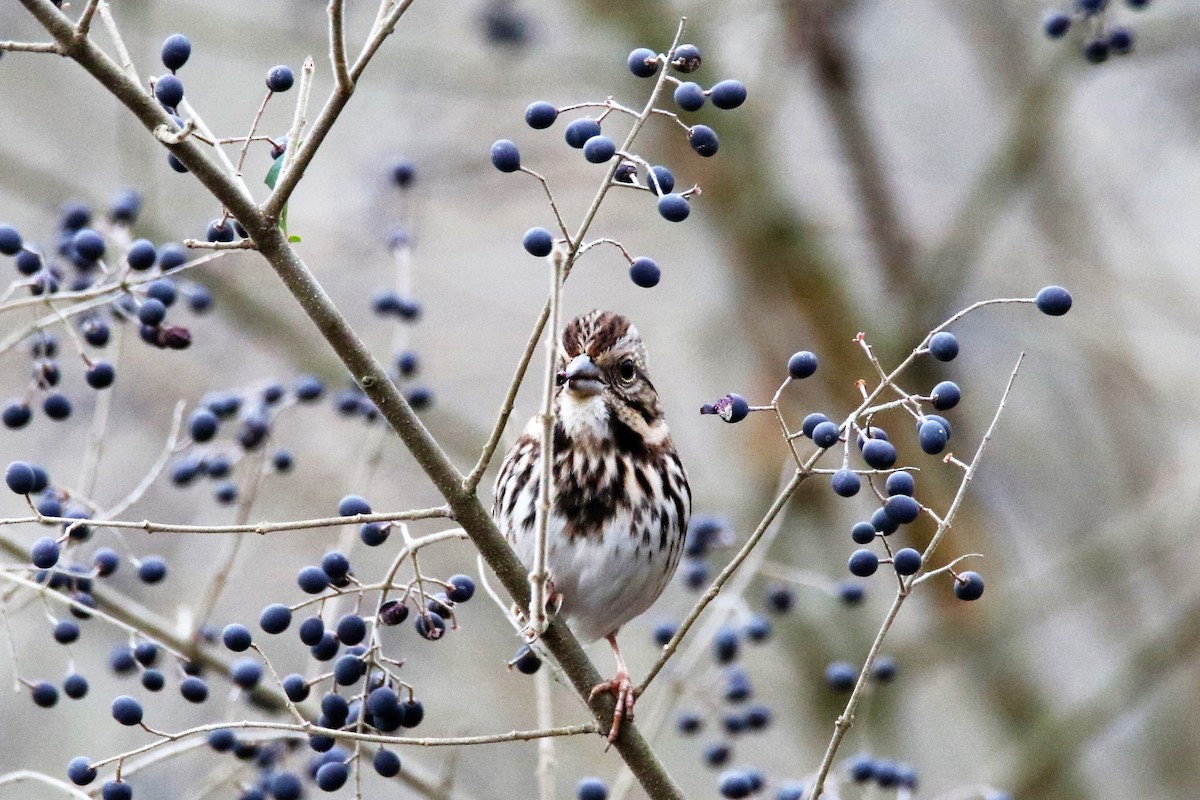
[621,686]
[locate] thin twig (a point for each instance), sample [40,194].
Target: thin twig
[155,470]
[114,33]
[85,19]
[337,45]
[437,512]
[539,574]
[32,47]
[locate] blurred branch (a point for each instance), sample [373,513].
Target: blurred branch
[814,27]
[438,512]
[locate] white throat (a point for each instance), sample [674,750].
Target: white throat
[585,416]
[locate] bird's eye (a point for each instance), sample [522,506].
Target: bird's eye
[627,370]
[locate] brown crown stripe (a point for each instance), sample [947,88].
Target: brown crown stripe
[594,332]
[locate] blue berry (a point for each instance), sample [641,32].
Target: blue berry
[153,569]
[66,631]
[152,312]
[716,754]
[286,786]
[162,290]
[1054,300]
[308,388]
[863,533]
[222,740]
[282,461]
[695,574]
[75,686]
[599,149]
[1055,24]
[900,483]
[884,670]
[811,421]
[731,408]
[169,91]
[236,637]
[538,242]
[100,375]
[689,96]
[352,505]
[943,346]
[674,207]
[826,434]
[725,645]
[703,140]
[758,718]
[790,791]
[580,131]
[728,94]
[411,713]
[462,588]
[844,482]
[879,453]
[117,790]
[780,599]
[902,508]
[88,244]
[862,768]
[689,722]
[280,78]
[246,673]
[643,62]
[28,262]
[175,51]
[386,763]
[686,58]
[968,586]
[80,771]
[886,774]
[758,629]
[127,710]
[20,477]
[1091,6]
[336,566]
[665,180]
[737,686]
[202,425]
[312,580]
[884,522]
[734,784]
[863,563]
[145,653]
[351,629]
[312,630]
[841,676]
[644,272]
[56,406]
[45,694]
[907,561]
[945,395]
[430,626]
[153,680]
[171,255]
[540,115]
[526,661]
[44,553]
[932,436]
[347,670]
[332,776]
[591,789]
[851,593]
[10,240]
[801,365]
[177,165]
[193,689]
[121,660]
[505,156]
[141,255]
[373,534]
[404,172]
[296,688]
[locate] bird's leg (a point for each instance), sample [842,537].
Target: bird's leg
[621,685]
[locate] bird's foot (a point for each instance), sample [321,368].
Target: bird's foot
[621,686]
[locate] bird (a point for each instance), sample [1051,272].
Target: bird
[620,500]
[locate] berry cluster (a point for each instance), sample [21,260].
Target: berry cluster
[627,168]
[1091,22]
[110,278]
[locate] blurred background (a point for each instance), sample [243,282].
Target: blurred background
[894,163]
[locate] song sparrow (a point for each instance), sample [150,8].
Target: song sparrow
[621,499]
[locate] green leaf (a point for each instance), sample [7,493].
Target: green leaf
[273,172]
[294,239]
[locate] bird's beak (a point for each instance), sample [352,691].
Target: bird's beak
[582,377]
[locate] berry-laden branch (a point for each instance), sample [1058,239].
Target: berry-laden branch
[272,243]
[846,719]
